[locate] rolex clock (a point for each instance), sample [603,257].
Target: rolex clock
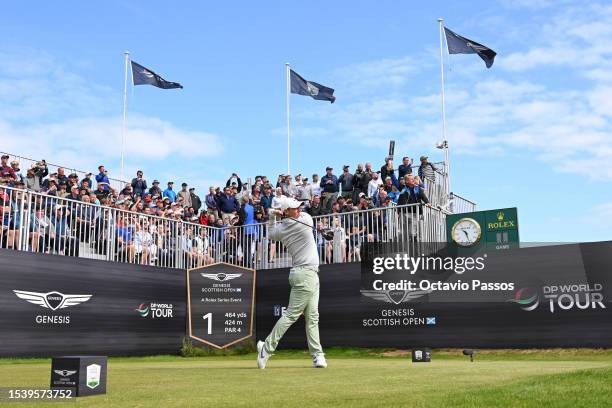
[466,232]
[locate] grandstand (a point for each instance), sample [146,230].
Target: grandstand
[104,226]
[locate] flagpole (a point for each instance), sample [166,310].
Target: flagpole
[288,75]
[123,127]
[444,141]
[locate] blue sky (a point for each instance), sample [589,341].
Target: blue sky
[534,131]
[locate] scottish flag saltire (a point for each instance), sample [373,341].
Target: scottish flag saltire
[462,45]
[317,91]
[144,76]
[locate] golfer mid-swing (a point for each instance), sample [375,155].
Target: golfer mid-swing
[296,233]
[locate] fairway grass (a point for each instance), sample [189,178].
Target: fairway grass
[494,380]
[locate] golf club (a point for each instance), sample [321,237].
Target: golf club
[327,233]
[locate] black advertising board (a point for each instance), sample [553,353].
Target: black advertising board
[84,375]
[555,296]
[56,305]
[221,304]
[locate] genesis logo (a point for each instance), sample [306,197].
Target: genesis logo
[221,277]
[64,373]
[527,298]
[51,300]
[394,296]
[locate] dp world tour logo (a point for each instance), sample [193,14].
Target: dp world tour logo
[51,300]
[143,310]
[527,298]
[221,277]
[155,310]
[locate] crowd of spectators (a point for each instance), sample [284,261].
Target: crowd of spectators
[236,203]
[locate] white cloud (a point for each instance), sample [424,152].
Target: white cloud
[47,111]
[554,119]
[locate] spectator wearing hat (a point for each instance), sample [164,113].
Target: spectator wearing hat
[103,191]
[169,192]
[329,184]
[102,177]
[87,179]
[404,168]
[427,171]
[74,194]
[20,177]
[139,184]
[7,174]
[155,190]
[346,182]
[185,195]
[32,180]
[196,203]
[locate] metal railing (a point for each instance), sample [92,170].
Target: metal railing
[37,222]
[459,204]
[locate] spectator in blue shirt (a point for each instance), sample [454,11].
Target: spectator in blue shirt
[102,177]
[171,194]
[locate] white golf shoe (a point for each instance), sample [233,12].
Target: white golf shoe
[319,362]
[262,355]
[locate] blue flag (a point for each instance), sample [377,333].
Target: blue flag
[144,76]
[461,45]
[301,86]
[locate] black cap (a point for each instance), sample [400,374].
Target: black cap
[192,188]
[345,167]
[5,156]
[328,168]
[184,185]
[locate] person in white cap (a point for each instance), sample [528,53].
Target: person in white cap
[295,231]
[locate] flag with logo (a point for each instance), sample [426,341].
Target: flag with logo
[461,45]
[144,76]
[317,91]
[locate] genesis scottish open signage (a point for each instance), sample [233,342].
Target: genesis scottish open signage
[221,304]
[55,305]
[554,296]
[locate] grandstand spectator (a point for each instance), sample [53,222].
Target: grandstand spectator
[404,168]
[287,186]
[61,176]
[266,198]
[196,203]
[139,184]
[18,173]
[32,180]
[87,179]
[237,184]
[74,194]
[358,182]
[427,171]
[103,191]
[373,184]
[102,177]
[155,191]
[303,190]
[387,169]
[42,230]
[329,184]
[412,193]
[314,208]
[169,192]
[185,195]
[7,174]
[315,188]
[346,182]
[211,201]
[277,199]
[228,205]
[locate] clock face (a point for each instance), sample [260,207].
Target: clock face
[466,232]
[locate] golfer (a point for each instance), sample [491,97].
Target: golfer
[296,233]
